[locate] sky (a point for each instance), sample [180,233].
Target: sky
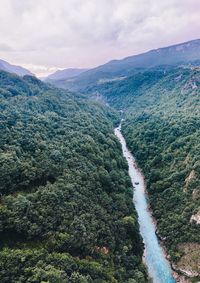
[46,35]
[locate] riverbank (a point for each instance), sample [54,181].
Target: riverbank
[179,276]
[154,256]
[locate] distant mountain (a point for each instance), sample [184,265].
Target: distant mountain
[65,74]
[20,71]
[178,54]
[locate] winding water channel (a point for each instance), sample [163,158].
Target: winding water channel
[154,257]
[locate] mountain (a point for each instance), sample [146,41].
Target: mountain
[66,212]
[183,53]
[65,74]
[20,71]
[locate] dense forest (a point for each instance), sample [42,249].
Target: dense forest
[162,129]
[66,212]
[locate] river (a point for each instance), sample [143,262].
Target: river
[159,268]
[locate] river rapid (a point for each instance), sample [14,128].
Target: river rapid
[159,268]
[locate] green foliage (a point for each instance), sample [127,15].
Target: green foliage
[66,212]
[162,129]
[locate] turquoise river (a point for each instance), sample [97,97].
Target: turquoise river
[159,268]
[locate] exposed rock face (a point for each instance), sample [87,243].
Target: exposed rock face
[196,194]
[191,176]
[187,159]
[196,217]
[189,264]
[181,279]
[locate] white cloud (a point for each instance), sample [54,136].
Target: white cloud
[84,33]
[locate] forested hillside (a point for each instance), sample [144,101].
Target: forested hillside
[187,53]
[162,129]
[66,212]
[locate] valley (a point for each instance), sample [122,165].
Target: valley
[66,189]
[161,110]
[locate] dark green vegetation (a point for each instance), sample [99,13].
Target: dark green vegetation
[66,212]
[165,138]
[162,129]
[184,53]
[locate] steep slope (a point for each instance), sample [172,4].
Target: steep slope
[162,128]
[183,53]
[20,71]
[65,74]
[66,212]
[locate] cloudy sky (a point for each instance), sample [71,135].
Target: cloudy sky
[45,35]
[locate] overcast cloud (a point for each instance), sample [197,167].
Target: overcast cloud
[44,35]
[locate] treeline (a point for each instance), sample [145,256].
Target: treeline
[66,212]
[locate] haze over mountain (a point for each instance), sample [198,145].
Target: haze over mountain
[5,66]
[64,34]
[65,74]
[182,53]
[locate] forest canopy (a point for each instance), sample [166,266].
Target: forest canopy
[162,128]
[65,193]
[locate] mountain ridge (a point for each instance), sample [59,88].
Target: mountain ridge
[181,53]
[65,73]
[15,69]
